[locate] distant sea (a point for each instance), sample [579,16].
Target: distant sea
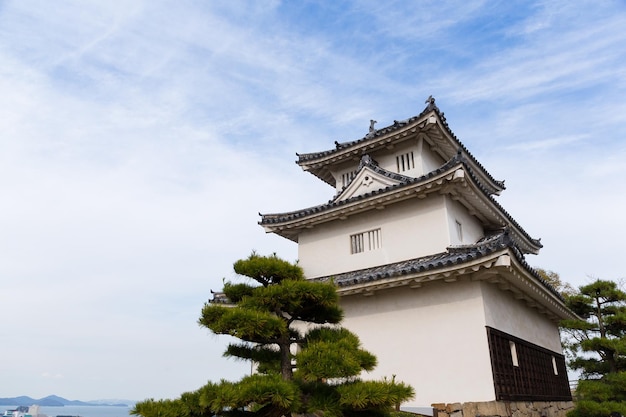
[79,410]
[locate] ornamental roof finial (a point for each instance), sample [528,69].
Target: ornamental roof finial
[372,123]
[372,131]
[431,102]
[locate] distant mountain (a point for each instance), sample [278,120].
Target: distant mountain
[52,399]
[56,401]
[15,400]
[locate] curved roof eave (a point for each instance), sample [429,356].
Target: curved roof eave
[288,224]
[449,266]
[378,138]
[496,252]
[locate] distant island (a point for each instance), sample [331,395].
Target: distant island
[56,401]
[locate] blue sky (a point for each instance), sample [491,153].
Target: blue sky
[140,140]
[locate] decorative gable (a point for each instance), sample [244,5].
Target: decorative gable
[365,182]
[369,177]
[430,126]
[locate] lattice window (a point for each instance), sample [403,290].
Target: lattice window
[366,241]
[405,161]
[347,177]
[537,374]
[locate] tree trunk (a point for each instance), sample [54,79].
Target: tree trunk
[610,355]
[285,358]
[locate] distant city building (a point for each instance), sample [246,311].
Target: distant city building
[431,270]
[24,411]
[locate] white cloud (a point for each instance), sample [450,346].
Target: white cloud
[141,140]
[545,144]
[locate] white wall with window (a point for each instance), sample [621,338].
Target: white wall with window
[408,229]
[405,162]
[345,178]
[464,229]
[365,241]
[513,316]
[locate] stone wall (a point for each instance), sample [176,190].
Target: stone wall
[504,409]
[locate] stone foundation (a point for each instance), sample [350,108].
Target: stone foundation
[504,409]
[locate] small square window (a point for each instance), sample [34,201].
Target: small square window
[366,241]
[405,162]
[347,177]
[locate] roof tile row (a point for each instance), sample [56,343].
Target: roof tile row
[458,159]
[306,157]
[454,256]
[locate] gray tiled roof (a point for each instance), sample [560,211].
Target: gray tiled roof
[457,160]
[307,157]
[454,256]
[282,217]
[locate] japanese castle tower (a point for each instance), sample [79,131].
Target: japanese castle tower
[431,270]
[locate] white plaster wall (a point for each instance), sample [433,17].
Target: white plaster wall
[425,160]
[430,160]
[433,338]
[338,171]
[409,229]
[388,161]
[472,229]
[505,313]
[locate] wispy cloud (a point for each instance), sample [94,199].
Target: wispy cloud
[51,376]
[141,140]
[545,144]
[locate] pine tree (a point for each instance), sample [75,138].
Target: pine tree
[305,362]
[597,346]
